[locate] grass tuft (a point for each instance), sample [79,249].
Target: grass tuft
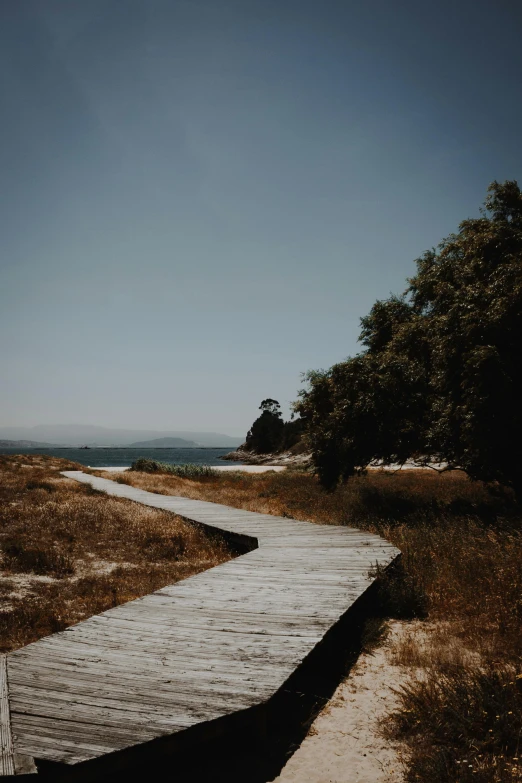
[23,557]
[463,725]
[45,485]
[188,470]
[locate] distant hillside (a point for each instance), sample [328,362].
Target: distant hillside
[25,444]
[164,443]
[91,435]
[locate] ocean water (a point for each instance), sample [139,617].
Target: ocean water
[112,457]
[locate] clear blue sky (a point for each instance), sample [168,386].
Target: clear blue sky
[200,199]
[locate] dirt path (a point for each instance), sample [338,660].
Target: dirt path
[344,744]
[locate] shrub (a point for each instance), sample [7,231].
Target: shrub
[462,725]
[46,485]
[189,470]
[27,557]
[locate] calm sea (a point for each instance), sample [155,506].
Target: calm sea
[109,457]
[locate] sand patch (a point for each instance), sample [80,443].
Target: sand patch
[14,587]
[345,744]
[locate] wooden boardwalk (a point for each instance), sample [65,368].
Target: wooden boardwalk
[217,644]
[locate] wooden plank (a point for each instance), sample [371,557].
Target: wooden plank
[180,693]
[7,765]
[106,721]
[11,762]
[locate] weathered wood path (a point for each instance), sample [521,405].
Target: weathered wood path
[217,644]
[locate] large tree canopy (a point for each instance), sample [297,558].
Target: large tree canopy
[441,373]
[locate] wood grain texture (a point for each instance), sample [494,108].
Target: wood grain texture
[213,645]
[7,766]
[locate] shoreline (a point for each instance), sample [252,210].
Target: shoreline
[285,459]
[221,468]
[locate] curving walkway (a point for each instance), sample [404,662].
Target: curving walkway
[218,644]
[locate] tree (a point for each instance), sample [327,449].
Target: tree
[441,373]
[269,433]
[265,434]
[271,406]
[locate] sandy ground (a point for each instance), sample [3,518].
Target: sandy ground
[344,744]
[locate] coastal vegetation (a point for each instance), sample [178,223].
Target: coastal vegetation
[440,376]
[187,470]
[68,552]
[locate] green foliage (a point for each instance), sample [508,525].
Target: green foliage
[189,470]
[292,434]
[441,374]
[269,433]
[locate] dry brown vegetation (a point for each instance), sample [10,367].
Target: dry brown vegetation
[68,552]
[461,713]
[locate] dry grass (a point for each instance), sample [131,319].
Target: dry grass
[462,723]
[461,713]
[68,552]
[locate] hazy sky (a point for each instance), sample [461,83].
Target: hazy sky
[199,200]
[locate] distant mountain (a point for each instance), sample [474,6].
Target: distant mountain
[25,444]
[164,443]
[208,439]
[91,435]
